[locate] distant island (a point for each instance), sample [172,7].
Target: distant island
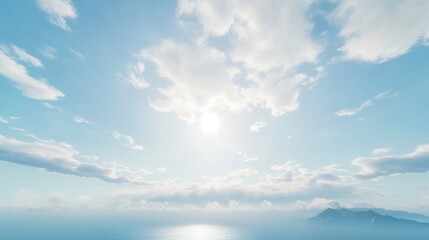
[368,217]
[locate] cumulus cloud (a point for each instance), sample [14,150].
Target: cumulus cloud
[61,158]
[259,40]
[414,162]
[127,141]
[260,69]
[197,86]
[134,75]
[59,11]
[257,126]
[17,73]
[368,103]
[377,31]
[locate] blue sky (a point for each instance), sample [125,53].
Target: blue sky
[214,105]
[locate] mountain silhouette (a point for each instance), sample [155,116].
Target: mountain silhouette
[352,218]
[397,214]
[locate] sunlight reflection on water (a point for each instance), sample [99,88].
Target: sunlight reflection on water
[195,232]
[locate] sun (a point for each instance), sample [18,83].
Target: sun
[210,123]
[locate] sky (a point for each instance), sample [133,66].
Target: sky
[217,105]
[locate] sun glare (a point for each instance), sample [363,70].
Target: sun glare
[210,123]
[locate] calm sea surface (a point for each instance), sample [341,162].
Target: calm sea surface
[36,226]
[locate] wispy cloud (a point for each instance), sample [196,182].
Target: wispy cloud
[4,121]
[377,151]
[59,11]
[127,141]
[161,170]
[48,52]
[414,162]
[368,103]
[257,126]
[79,119]
[246,158]
[17,73]
[134,75]
[25,57]
[7,120]
[60,157]
[77,55]
[51,106]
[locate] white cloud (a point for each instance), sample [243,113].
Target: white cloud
[127,141]
[59,11]
[258,71]
[257,126]
[161,170]
[376,31]
[315,204]
[55,200]
[134,76]
[77,54]
[368,103]
[414,162]
[60,158]
[377,151]
[51,106]
[49,52]
[84,201]
[287,183]
[81,120]
[197,86]
[91,157]
[246,158]
[76,118]
[22,55]
[4,121]
[259,40]
[26,199]
[17,73]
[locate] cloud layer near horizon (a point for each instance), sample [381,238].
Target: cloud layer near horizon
[414,162]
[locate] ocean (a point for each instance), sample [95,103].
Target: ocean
[180,226]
